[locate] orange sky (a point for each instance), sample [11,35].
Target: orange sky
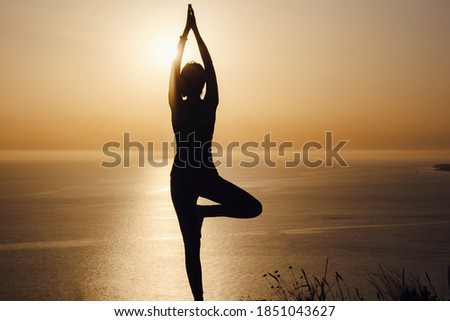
[75,74]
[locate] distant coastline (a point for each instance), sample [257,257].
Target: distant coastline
[442,167]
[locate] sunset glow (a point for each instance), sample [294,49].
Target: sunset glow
[376,73]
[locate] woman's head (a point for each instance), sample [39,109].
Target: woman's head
[192,80]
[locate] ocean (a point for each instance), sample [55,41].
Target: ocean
[72,230]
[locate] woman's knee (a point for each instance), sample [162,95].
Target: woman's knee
[253,208]
[192,246]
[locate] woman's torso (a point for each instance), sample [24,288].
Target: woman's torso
[193,126]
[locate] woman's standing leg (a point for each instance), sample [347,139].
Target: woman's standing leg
[184,200]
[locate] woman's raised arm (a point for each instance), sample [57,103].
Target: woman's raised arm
[212,92]
[174,87]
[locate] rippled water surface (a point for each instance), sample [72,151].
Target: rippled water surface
[76,231]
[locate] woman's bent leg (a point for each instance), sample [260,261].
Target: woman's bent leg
[233,200]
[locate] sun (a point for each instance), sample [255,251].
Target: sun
[160,50]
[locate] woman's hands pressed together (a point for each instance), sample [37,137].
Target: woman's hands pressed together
[191,23]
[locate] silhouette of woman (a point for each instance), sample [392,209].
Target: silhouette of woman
[193,173]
